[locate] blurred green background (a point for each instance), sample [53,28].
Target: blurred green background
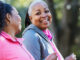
[65,25]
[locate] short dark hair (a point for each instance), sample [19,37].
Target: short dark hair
[4,9]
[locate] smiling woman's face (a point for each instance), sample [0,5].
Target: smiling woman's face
[16,20]
[41,16]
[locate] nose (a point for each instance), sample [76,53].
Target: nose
[44,15]
[19,18]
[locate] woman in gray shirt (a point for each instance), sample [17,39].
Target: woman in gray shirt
[36,38]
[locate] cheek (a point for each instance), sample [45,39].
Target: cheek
[35,20]
[16,21]
[50,18]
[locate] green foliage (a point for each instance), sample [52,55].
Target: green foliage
[58,5]
[76,50]
[18,3]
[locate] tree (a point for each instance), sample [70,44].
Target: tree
[68,26]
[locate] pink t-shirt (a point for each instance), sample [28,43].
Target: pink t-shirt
[11,49]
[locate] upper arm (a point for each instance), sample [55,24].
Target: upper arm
[31,41]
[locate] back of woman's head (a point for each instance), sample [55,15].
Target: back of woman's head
[4,9]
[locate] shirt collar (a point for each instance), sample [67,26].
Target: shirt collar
[8,37]
[48,34]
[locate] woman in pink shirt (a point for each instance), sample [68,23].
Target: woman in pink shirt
[11,48]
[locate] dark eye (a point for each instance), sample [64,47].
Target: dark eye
[38,13]
[46,11]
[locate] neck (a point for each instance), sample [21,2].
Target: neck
[10,31]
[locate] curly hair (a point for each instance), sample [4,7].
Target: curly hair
[4,9]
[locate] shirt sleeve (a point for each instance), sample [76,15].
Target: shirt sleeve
[31,42]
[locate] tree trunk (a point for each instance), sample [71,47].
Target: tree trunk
[68,26]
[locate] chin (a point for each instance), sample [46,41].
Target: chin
[18,31]
[46,26]
[43,28]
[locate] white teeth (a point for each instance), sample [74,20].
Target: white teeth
[45,20]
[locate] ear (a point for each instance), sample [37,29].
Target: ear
[8,18]
[30,17]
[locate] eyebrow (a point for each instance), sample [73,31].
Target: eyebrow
[44,8]
[37,10]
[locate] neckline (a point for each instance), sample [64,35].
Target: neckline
[9,38]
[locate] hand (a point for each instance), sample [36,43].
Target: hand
[71,57]
[51,57]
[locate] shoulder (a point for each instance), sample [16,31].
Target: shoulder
[30,33]
[32,37]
